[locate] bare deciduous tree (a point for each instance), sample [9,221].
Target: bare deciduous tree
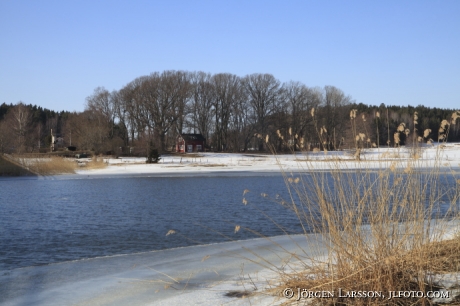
[169,108]
[120,114]
[18,120]
[131,106]
[300,100]
[202,98]
[101,102]
[227,91]
[334,116]
[243,122]
[264,95]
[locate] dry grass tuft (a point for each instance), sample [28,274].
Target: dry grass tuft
[54,165]
[47,165]
[442,256]
[96,163]
[373,230]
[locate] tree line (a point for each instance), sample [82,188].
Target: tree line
[233,113]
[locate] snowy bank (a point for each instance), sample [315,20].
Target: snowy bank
[443,155]
[215,274]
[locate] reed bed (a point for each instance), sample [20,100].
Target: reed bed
[23,165]
[382,231]
[51,165]
[373,233]
[96,163]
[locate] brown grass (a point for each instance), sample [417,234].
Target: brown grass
[374,231]
[442,256]
[413,270]
[53,165]
[378,233]
[96,163]
[24,165]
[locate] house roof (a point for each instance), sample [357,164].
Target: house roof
[190,137]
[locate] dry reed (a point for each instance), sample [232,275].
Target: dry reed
[55,165]
[96,163]
[52,165]
[375,231]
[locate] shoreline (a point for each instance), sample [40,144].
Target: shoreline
[200,274]
[443,157]
[141,277]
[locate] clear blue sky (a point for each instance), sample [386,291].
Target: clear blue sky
[54,53]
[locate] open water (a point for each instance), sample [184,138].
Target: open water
[48,221]
[66,218]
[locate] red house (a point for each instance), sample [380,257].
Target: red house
[188,143]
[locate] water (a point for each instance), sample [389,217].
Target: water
[48,221]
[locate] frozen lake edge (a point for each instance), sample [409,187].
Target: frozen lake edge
[203,273]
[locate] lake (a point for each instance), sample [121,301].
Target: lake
[65,218]
[44,221]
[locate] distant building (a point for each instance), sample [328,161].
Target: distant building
[56,142]
[188,143]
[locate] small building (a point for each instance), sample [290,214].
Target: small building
[56,141]
[188,143]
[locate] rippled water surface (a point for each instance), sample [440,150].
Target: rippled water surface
[76,217]
[46,221]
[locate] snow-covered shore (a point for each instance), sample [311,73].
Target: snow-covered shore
[444,156]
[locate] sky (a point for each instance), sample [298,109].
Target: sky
[55,53]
